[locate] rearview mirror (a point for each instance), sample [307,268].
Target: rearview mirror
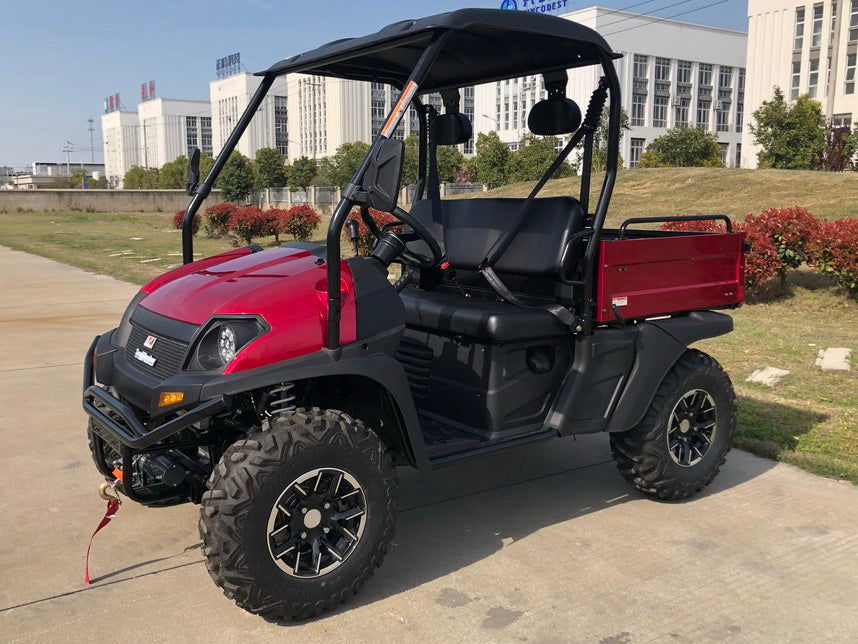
[384,174]
[193,171]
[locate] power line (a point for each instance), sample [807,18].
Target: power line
[645,13]
[675,15]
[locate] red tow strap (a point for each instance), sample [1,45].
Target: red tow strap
[113,504]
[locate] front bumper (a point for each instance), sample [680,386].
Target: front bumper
[118,422]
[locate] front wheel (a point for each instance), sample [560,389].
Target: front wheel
[298,516]
[682,441]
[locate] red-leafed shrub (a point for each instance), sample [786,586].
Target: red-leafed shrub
[704,226]
[366,240]
[180,215]
[790,229]
[834,251]
[217,219]
[300,221]
[762,261]
[250,222]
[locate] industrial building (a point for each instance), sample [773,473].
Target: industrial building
[673,74]
[803,48]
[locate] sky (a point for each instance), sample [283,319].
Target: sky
[63,58]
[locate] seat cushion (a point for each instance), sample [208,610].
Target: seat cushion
[471,227]
[484,320]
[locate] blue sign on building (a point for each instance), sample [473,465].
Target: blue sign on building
[534,6]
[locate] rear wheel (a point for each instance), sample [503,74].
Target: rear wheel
[683,439]
[298,516]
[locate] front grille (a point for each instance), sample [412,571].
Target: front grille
[416,358]
[169,354]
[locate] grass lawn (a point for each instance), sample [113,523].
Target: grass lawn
[810,419]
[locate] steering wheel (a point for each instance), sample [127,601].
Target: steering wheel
[413,230]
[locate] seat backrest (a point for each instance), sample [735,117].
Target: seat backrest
[471,226]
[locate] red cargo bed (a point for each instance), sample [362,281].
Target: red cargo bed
[658,272]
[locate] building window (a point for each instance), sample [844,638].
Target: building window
[281,134]
[796,79]
[641,64]
[813,79]
[850,73]
[798,40]
[725,77]
[740,78]
[191,137]
[206,135]
[703,108]
[683,71]
[816,32]
[740,116]
[722,117]
[662,69]
[635,152]
[681,115]
[659,111]
[638,109]
[841,120]
[725,149]
[833,22]
[738,155]
[853,22]
[704,77]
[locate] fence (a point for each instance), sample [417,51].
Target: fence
[325,198]
[97,200]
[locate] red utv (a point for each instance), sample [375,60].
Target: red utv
[280,388]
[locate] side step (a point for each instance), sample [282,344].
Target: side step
[486,449]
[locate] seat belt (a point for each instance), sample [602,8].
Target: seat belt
[502,243]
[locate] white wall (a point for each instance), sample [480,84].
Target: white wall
[121,144]
[163,131]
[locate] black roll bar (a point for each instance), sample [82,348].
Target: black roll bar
[655,220]
[341,212]
[611,162]
[202,190]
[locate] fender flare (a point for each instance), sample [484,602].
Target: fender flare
[366,358]
[660,343]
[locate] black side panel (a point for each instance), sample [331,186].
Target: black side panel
[593,384]
[379,307]
[660,344]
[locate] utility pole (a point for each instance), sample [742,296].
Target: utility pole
[91,142]
[67,150]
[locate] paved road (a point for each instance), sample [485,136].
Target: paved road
[545,545]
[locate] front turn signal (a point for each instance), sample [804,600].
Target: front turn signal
[168,398]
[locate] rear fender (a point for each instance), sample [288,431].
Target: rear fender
[660,343]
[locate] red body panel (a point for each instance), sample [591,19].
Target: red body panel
[658,275]
[285,286]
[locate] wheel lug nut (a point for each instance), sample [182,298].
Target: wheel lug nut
[303,510]
[326,530]
[327,506]
[303,535]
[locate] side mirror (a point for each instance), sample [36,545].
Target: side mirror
[384,174]
[193,171]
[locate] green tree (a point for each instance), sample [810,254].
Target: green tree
[600,139]
[174,173]
[237,178]
[789,134]
[491,159]
[533,157]
[450,162]
[682,147]
[270,168]
[301,173]
[340,167]
[140,178]
[75,179]
[411,161]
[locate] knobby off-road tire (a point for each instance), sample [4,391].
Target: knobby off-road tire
[643,455]
[252,476]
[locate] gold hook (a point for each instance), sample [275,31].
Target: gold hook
[107,491]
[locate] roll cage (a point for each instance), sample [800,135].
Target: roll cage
[444,52]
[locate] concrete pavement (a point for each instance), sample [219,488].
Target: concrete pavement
[547,544]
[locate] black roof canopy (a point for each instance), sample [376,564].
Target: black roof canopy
[482,45]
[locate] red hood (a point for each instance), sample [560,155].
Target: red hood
[286,286]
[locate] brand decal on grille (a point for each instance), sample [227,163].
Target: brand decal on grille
[145,358]
[149,342]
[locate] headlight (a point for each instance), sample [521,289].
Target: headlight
[222,341]
[226,344]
